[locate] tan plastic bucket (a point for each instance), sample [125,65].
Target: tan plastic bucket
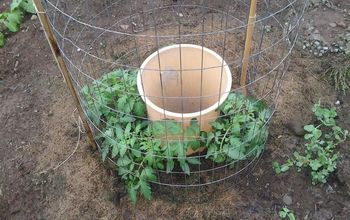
[192,88]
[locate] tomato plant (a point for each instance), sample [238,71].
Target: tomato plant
[140,147]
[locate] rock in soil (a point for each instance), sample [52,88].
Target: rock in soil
[16,64]
[287,199]
[332,24]
[296,127]
[322,214]
[341,24]
[343,171]
[124,26]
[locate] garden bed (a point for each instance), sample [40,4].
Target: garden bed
[38,133]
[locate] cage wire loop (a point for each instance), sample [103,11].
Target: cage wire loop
[138,70]
[81,130]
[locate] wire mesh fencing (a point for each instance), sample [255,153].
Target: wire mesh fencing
[160,82]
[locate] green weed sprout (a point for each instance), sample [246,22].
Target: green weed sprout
[320,155]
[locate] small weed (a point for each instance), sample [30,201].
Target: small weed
[320,155]
[286,213]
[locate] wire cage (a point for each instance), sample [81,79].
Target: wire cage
[161,81]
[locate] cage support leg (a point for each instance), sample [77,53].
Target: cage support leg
[62,66]
[248,45]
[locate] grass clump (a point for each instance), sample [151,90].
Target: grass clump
[340,77]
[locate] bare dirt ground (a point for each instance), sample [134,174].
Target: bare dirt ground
[38,132]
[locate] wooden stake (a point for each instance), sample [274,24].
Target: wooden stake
[62,66]
[248,44]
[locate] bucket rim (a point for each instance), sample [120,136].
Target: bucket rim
[223,97]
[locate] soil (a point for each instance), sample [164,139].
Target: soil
[38,132]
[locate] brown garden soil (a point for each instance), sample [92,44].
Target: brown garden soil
[38,132]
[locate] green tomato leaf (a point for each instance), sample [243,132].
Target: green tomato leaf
[123,161]
[13,20]
[219,158]
[160,166]
[148,174]
[2,39]
[210,137]
[235,152]
[178,147]
[184,166]
[121,103]
[108,133]
[218,125]
[104,153]
[13,27]
[169,165]
[139,109]
[240,118]
[132,193]
[235,142]
[145,189]
[126,119]
[122,171]
[94,115]
[115,150]
[15,4]
[211,151]
[122,148]
[28,6]
[253,131]
[173,128]
[194,161]
[236,129]
[136,153]
[158,128]
[195,145]
[127,129]
[119,132]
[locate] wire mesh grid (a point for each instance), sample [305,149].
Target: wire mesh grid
[160,86]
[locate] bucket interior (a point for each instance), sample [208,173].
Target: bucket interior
[189,85]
